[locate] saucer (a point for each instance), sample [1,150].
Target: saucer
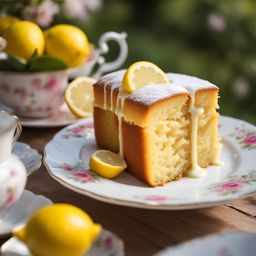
[18,214]
[67,160]
[107,244]
[28,156]
[61,117]
[235,244]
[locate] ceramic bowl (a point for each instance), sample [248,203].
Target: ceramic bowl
[33,94]
[38,95]
[13,179]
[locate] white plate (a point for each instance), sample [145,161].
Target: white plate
[235,244]
[28,156]
[67,155]
[19,213]
[108,244]
[62,117]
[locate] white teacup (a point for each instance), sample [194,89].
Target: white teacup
[10,130]
[40,94]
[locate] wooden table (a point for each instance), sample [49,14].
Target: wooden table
[144,232]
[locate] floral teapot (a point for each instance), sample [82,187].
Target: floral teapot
[12,171]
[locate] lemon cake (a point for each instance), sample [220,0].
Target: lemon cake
[163,131]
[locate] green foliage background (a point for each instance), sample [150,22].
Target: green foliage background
[175,34]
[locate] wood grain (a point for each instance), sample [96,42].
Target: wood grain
[143,231]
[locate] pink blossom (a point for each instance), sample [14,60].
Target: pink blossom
[41,13]
[13,172]
[108,243]
[231,186]
[251,139]
[5,88]
[11,198]
[21,94]
[217,23]
[53,84]
[80,9]
[36,84]
[156,198]
[68,168]
[77,129]
[84,175]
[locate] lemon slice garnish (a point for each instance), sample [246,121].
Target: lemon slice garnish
[142,73]
[79,96]
[106,163]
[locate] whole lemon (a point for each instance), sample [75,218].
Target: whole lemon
[23,38]
[5,22]
[59,230]
[68,43]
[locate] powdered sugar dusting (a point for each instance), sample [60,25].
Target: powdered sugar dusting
[190,83]
[113,79]
[152,93]
[155,92]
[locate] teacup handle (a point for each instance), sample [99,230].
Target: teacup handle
[120,38]
[17,133]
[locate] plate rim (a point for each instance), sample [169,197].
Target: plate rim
[119,240]
[34,195]
[39,155]
[31,124]
[203,238]
[148,204]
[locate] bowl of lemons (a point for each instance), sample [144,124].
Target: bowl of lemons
[35,65]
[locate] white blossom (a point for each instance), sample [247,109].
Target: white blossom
[42,13]
[217,22]
[80,9]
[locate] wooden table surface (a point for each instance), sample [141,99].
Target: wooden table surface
[144,232]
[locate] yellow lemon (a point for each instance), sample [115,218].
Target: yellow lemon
[59,229]
[79,96]
[23,38]
[68,43]
[142,73]
[5,22]
[106,163]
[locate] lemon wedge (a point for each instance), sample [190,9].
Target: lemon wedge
[58,229]
[106,163]
[142,73]
[79,96]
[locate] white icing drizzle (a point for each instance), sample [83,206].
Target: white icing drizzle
[195,170]
[119,112]
[105,96]
[217,160]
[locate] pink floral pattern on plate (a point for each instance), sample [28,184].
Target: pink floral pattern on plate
[156,199]
[78,173]
[78,131]
[234,184]
[246,138]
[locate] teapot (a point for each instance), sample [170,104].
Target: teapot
[12,171]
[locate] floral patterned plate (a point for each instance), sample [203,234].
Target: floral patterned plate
[62,117]
[67,155]
[28,156]
[108,244]
[18,214]
[235,244]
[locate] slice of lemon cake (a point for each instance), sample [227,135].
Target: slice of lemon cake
[163,131]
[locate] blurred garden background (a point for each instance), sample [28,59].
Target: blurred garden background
[212,39]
